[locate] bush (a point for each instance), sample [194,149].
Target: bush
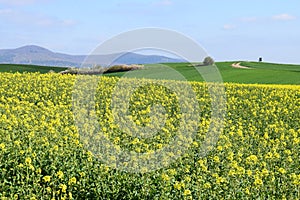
[102,70]
[208,61]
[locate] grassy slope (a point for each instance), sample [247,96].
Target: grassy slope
[266,73]
[261,73]
[28,68]
[272,66]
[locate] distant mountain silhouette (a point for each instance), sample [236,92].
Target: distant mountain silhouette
[37,55]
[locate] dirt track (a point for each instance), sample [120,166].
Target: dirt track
[238,65]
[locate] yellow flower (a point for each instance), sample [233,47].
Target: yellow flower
[17,142]
[20,165]
[240,133]
[290,159]
[241,170]
[187,192]
[31,167]
[202,165]
[231,172]
[276,155]
[28,161]
[282,170]
[116,140]
[258,181]
[177,185]
[63,188]
[288,152]
[230,156]
[72,181]
[247,191]
[207,185]
[249,172]
[55,148]
[47,178]
[273,178]
[82,174]
[60,174]
[187,179]
[265,172]
[172,172]
[251,159]
[48,189]
[216,159]
[70,195]
[165,177]
[220,180]
[269,155]
[38,170]
[2,146]
[195,144]
[31,135]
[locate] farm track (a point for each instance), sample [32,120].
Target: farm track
[238,65]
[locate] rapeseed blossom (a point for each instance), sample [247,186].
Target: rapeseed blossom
[43,154]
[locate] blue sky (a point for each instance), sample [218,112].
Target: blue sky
[227,29]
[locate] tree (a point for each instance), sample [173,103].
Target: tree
[208,61]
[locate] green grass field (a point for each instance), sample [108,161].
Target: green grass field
[28,68]
[261,73]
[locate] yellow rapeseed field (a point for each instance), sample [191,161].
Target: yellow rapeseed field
[43,155]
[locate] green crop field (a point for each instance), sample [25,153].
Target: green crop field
[272,66]
[262,73]
[28,68]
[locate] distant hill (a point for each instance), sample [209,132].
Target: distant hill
[36,55]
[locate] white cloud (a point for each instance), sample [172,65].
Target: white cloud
[283,17]
[229,27]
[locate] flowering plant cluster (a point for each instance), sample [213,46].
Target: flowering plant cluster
[43,154]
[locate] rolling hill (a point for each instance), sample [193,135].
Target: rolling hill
[36,55]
